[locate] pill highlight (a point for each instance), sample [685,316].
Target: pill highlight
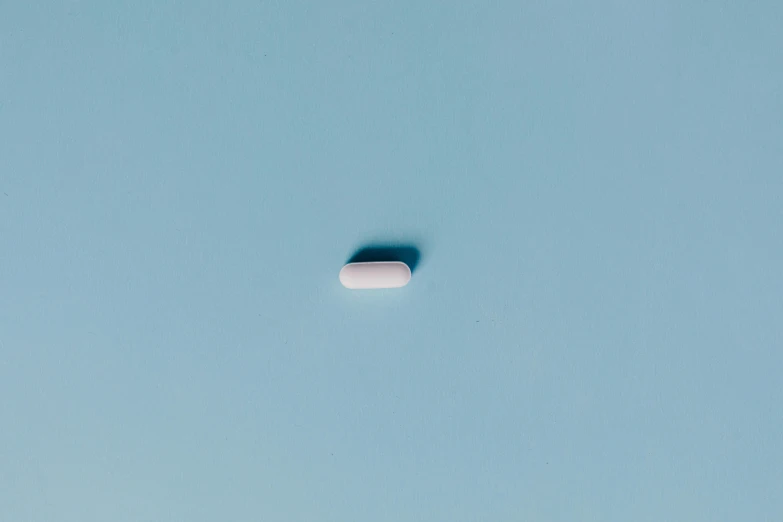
[384,274]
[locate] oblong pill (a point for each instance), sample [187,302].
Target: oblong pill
[384,274]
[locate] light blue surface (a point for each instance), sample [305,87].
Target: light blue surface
[593,333]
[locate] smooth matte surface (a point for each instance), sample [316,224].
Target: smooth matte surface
[375,275]
[180,183]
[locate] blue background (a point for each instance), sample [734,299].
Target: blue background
[593,332]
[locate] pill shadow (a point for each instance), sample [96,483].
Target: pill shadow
[408,254]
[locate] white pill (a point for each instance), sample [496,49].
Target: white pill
[385,274]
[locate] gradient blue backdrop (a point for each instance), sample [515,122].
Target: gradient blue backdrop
[593,333]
